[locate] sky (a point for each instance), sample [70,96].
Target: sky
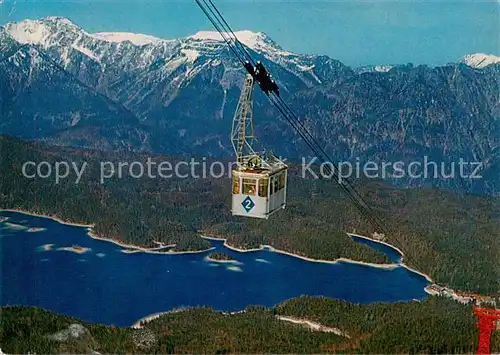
[367,32]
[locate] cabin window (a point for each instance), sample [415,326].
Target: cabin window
[281,180]
[271,185]
[249,186]
[263,187]
[236,185]
[276,184]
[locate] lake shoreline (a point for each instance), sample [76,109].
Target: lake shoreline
[146,319]
[159,247]
[57,219]
[135,248]
[311,324]
[130,248]
[401,263]
[346,260]
[400,252]
[306,258]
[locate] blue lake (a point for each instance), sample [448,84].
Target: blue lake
[108,286]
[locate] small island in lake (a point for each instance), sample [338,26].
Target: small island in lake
[35,229]
[220,256]
[75,249]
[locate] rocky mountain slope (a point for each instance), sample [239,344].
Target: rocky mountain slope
[40,99]
[178,96]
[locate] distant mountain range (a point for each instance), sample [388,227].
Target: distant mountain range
[137,92]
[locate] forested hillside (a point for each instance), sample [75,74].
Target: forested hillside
[433,326]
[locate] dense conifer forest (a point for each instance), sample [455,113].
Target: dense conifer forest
[436,325]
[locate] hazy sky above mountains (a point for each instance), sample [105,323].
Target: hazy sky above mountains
[355,32]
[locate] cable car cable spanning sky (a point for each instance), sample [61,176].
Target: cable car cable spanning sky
[270,88]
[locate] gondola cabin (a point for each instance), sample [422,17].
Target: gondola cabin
[259,192]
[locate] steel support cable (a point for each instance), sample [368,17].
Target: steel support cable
[230,31]
[226,32]
[214,20]
[216,25]
[326,159]
[349,194]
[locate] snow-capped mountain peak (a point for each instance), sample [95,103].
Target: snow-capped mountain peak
[246,37]
[42,31]
[179,59]
[58,19]
[207,35]
[28,31]
[257,41]
[118,37]
[54,31]
[479,60]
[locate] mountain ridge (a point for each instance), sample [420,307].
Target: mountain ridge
[253,40]
[183,93]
